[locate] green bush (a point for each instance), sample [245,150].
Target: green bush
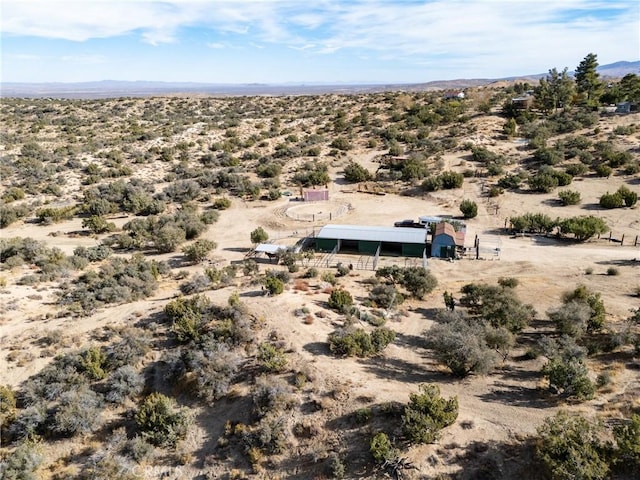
[627,436]
[198,250]
[354,172]
[461,345]
[612,200]
[469,208]
[340,300]
[271,358]
[570,447]
[259,235]
[23,463]
[381,448]
[569,378]
[358,343]
[569,197]
[221,203]
[274,285]
[160,421]
[427,413]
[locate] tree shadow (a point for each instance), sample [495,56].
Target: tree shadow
[400,370]
[318,348]
[236,410]
[495,460]
[517,395]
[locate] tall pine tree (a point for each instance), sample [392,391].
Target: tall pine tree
[588,81]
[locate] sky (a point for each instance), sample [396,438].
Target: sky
[308,41]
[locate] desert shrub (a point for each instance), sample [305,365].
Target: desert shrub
[118,280]
[311,272]
[427,413]
[12,194]
[55,215]
[461,345]
[385,296]
[418,281]
[129,350]
[510,181]
[576,169]
[77,412]
[10,214]
[611,200]
[432,183]
[613,271]
[571,318]
[569,377]
[93,254]
[603,170]
[533,222]
[189,317]
[214,363]
[182,191]
[274,285]
[508,282]
[358,343]
[259,235]
[469,208]
[354,172]
[98,224]
[23,463]
[198,250]
[569,197]
[336,467]
[543,182]
[271,358]
[498,305]
[93,362]
[381,448]
[161,421]
[124,383]
[221,203]
[593,300]
[340,300]
[583,227]
[627,437]
[451,180]
[569,447]
[270,395]
[7,407]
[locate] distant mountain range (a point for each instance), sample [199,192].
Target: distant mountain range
[111,88]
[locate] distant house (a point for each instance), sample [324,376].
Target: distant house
[524,102]
[453,95]
[446,241]
[626,107]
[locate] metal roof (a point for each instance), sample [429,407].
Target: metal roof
[374,234]
[270,248]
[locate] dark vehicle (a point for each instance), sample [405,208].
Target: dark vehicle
[408,224]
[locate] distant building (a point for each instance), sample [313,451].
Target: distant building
[373,240]
[453,95]
[523,102]
[446,241]
[626,107]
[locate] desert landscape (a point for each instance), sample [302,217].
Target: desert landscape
[129,283]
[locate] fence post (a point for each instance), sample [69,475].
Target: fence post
[622,241]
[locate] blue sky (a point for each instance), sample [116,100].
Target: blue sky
[312,41]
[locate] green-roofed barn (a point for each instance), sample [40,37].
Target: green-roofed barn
[407,242]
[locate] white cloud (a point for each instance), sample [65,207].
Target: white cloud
[465,36]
